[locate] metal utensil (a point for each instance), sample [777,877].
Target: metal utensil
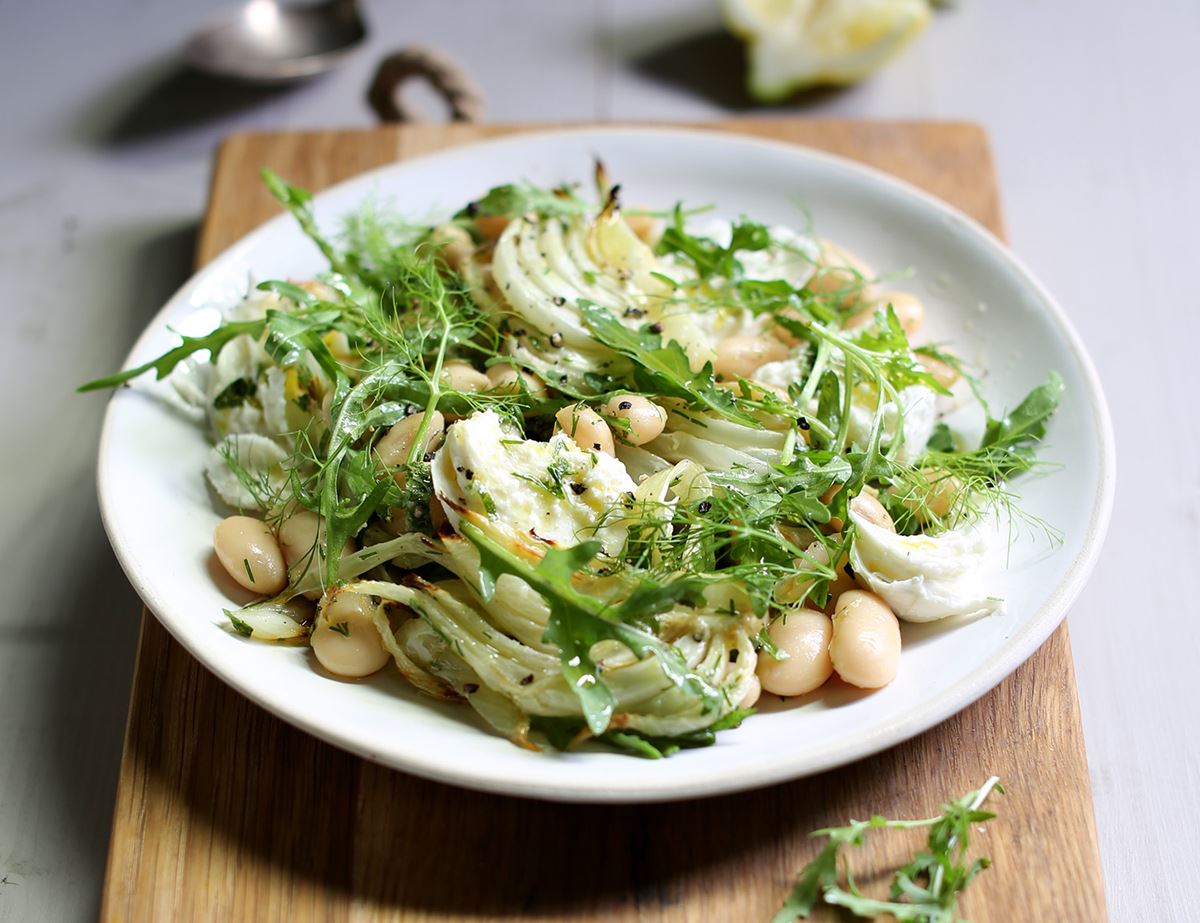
[267,42]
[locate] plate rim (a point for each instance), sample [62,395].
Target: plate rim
[1021,645]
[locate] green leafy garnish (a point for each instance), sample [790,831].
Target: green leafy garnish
[165,364]
[660,368]
[235,393]
[578,621]
[560,731]
[1007,449]
[242,627]
[299,202]
[709,257]
[926,890]
[1026,424]
[516,199]
[290,290]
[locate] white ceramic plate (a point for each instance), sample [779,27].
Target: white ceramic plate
[159,516]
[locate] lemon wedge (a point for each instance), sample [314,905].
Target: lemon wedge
[795,44]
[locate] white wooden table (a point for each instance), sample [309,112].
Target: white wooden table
[104,155]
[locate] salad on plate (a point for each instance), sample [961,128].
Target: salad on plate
[600,473]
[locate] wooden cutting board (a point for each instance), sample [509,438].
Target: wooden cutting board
[224,812]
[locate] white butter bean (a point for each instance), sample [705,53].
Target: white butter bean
[462,376]
[250,554]
[909,311]
[741,355]
[302,538]
[586,427]
[804,635]
[396,443]
[841,273]
[938,499]
[869,508]
[794,589]
[345,639]
[647,227]
[645,418]
[943,373]
[865,649]
[510,380]
[455,243]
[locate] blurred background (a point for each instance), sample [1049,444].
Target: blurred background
[105,151]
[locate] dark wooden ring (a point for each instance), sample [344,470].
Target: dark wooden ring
[464,100]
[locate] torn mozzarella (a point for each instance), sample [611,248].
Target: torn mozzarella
[551,492]
[925,577]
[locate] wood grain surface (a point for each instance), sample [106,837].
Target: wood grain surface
[226,813]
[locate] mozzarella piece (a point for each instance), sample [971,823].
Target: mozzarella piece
[924,577]
[258,456]
[482,467]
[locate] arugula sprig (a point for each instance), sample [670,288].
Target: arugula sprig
[706,255]
[657,748]
[299,202]
[745,533]
[513,200]
[1010,440]
[925,890]
[663,368]
[578,620]
[286,340]
[976,478]
[214,342]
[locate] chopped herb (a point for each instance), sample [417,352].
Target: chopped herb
[235,394]
[239,625]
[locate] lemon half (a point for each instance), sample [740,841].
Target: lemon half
[795,44]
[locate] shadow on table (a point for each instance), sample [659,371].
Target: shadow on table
[90,604]
[87,696]
[277,805]
[166,98]
[708,61]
